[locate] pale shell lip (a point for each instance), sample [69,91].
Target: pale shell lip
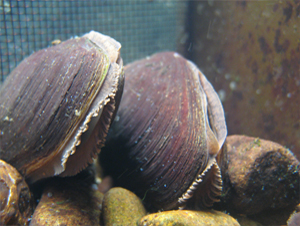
[112,49]
[216,121]
[215,187]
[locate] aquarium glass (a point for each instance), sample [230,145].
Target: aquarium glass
[143,27]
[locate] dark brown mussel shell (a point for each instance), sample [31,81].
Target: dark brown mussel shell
[56,106]
[166,135]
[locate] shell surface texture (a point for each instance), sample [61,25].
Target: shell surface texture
[16,201]
[169,128]
[56,106]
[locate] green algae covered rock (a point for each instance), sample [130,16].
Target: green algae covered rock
[188,218]
[263,176]
[122,207]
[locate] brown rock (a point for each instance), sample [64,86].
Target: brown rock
[262,176]
[16,201]
[188,218]
[122,207]
[68,201]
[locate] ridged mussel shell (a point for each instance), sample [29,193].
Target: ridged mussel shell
[168,130]
[56,106]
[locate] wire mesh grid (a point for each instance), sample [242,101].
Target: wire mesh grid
[142,26]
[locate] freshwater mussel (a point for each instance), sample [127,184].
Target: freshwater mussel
[56,106]
[169,128]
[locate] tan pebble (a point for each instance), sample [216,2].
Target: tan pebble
[68,201]
[188,218]
[122,207]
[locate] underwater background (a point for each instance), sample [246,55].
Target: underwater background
[249,50]
[250,53]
